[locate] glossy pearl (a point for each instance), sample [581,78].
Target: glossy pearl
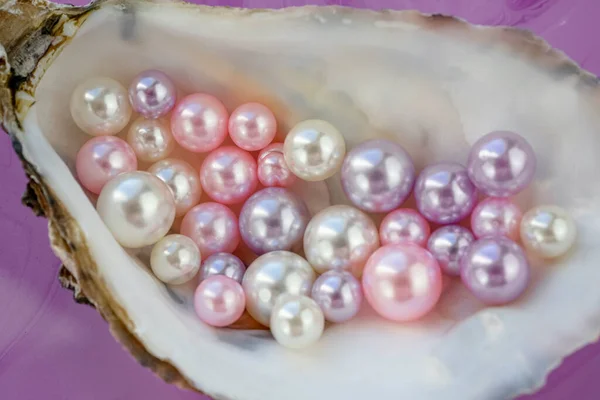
[272,275]
[152,93]
[102,158]
[339,295]
[223,264]
[137,208]
[99,106]
[340,237]
[404,226]
[495,270]
[219,301]
[252,126]
[199,123]
[501,164]
[496,217]
[402,282]
[273,219]
[448,245]
[314,150]
[183,181]
[272,168]
[297,322]
[548,231]
[175,259]
[151,139]
[444,193]
[378,175]
[213,227]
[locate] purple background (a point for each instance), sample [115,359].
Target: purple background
[52,348]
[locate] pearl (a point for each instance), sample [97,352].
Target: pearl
[272,168]
[496,217]
[272,275]
[199,123]
[223,264]
[151,139]
[402,282]
[219,301]
[444,193]
[183,181]
[314,150]
[340,237]
[252,126]
[152,94]
[273,219]
[99,106]
[448,245]
[137,208]
[102,158]
[495,270]
[228,175]
[378,175]
[501,164]
[548,231]
[175,259]
[339,295]
[297,322]
[213,227]
[404,226]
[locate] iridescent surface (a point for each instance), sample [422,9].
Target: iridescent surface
[152,93]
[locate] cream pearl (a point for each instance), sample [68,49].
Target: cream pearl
[548,231]
[175,259]
[100,106]
[183,181]
[297,321]
[151,139]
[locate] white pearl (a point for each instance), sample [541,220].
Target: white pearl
[137,207]
[151,139]
[100,106]
[182,179]
[314,150]
[548,231]
[297,321]
[175,259]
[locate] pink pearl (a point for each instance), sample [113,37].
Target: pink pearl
[496,217]
[219,301]
[213,227]
[102,158]
[252,126]
[404,226]
[272,168]
[199,122]
[152,93]
[228,175]
[402,282]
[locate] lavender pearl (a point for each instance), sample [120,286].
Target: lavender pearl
[152,93]
[377,175]
[448,245]
[339,295]
[223,264]
[501,164]
[444,193]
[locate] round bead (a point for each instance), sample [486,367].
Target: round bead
[339,295]
[496,216]
[151,139]
[252,126]
[183,181]
[272,168]
[448,245]
[175,259]
[404,226]
[213,227]
[219,301]
[223,264]
[548,231]
[152,93]
[297,322]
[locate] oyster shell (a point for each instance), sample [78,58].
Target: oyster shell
[434,84]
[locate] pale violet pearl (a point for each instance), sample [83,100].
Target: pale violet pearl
[339,295]
[448,245]
[548,231]
[377,175]
[496,216]
[151,139]
[183,181]
[213,227]
[175,259]
[137,208]
[223,264]
[402,226]
[297,322]
[252,126]
[152,93]
[219,301]
[272,169]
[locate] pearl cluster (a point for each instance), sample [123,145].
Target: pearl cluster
[396,267]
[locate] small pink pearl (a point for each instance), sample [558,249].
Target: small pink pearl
[228,175]
[496,217]
[102,158]
[219,301]
[252,126]
[213,227]
[272,168]
[404,226]
[199,122]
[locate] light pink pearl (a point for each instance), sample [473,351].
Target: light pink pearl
[496,217]
[199,122]
[404,226]
[272,168]
[228,175]
[102,158]
[402,282]
[213,227]
[252,126]
[219,301]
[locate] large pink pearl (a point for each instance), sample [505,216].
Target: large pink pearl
[219,301]
[252,126]
[199,122]
[102,158]
[402,282]
[228,175]
[496,217]
[272,168]
[213,227]
[404,226]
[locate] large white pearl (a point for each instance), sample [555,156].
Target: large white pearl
[314,150]
[175,259]
[137,207]
[548,231]
[272,275]
[100,106]
[297,321]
